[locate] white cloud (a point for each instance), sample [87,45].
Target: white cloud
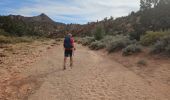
[87,10]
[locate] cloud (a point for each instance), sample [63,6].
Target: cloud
[77,11]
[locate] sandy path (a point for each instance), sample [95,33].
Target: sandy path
[93,77]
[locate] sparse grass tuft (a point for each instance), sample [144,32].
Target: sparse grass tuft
[142,63]
[13,40]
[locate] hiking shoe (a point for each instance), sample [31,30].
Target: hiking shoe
[64,68]
[71,65]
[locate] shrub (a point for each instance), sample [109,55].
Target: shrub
[78,40]
[135,35]
[12,39]
[2,32]
[23,39]
[142,62]
[139,30]
[151,37]
[87,40]
[99,33]
[162,46]
[107,39]
[131,49]
[97,45]
[118,43]
[4,39]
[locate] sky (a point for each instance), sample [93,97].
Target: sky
[70,11]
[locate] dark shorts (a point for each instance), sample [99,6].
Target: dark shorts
[68,53]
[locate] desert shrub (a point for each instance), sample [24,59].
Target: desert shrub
[87,40]
[139,30]
[58,39]
[151,37]
[142,62]
[76,39]
[12,39]
[131,49]
[2,32]
[107,39]
[162,46]
[4,39]
[135,35]
[119,42]
[97,45]
[99,33]
[23,39]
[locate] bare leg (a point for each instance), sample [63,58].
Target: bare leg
[71,62]
[65,61]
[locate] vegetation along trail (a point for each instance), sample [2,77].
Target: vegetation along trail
[94,77]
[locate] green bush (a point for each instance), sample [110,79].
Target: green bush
[138,31]
[162,46]
[131,49]
[87,40]
[97,45]
[2,32]
[151,37]
[119,42]
[99,33]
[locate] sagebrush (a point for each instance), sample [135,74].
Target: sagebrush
[131,49]
[162,46]
[97,45]
[119,42]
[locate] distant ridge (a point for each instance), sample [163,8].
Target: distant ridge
[43,18]
[36,25]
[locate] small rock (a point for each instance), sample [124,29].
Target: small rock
[48,47]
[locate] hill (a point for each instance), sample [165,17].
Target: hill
[153,15]
[40,25]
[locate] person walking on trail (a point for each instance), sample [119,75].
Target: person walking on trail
[69,48]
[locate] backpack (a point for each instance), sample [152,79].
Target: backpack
[67,43]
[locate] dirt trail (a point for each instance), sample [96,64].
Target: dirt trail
[93,77]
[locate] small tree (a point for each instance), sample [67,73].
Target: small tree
[138,32]
[99,33]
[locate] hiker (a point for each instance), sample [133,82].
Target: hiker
[69,48]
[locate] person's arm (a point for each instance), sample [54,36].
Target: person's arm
[64,44]
[73,44]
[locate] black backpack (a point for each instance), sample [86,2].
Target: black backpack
[67,42]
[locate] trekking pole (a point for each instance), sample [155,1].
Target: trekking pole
[73,52]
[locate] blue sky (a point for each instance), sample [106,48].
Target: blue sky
[70,11]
